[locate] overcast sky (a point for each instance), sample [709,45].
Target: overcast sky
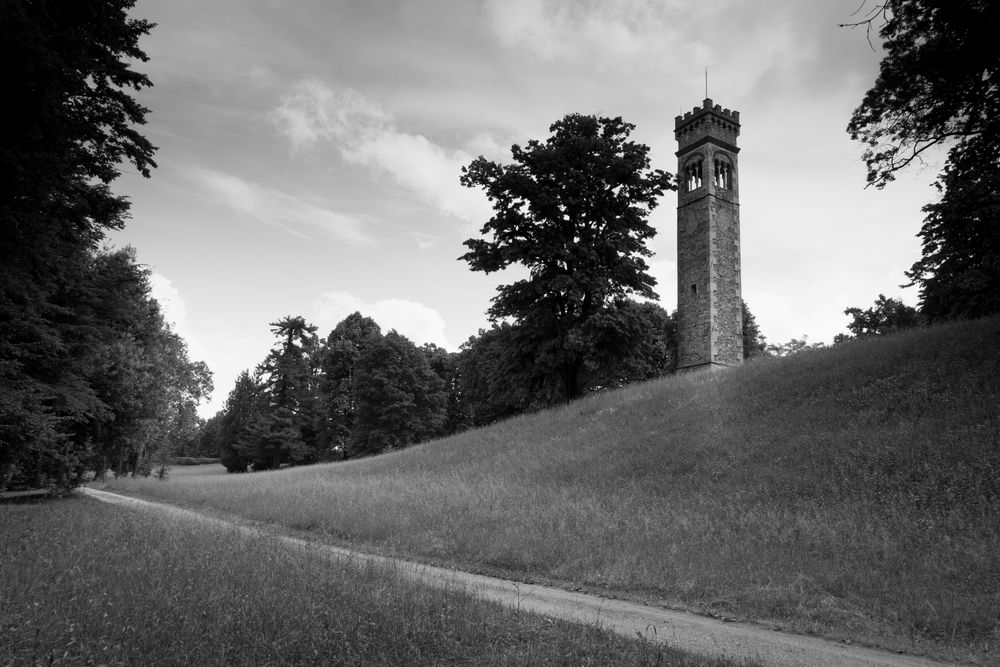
[310,150]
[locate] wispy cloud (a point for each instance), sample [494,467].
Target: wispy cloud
[278,209]
[595,31]
[419,323]
[367,135]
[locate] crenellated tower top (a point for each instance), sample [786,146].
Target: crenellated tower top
[708,120]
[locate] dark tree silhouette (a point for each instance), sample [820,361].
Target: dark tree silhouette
[67,125]
[939,85]
[573,211]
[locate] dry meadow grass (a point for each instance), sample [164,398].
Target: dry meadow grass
[89,583]
[852,492]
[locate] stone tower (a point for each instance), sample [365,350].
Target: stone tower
[709,301]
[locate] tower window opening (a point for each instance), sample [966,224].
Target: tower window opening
[692,176]
[694,289]
[723,175]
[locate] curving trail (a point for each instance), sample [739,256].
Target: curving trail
[697,634]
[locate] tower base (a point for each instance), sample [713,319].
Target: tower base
[710,367]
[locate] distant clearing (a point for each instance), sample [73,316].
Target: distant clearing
[851,492]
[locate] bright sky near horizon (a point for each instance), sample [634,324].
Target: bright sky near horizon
[310,151]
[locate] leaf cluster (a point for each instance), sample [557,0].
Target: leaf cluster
[939,81]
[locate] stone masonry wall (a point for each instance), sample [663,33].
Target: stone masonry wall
[693,284]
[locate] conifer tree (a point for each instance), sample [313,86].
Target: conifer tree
[286,429]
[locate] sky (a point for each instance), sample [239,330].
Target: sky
[309,155]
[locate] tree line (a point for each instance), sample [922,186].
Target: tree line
[91,376]
[359,391]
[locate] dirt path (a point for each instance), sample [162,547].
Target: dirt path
[697,634]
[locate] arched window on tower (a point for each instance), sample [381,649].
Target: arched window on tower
[723,174]
[692,175]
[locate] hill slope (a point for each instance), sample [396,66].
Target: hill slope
[851,491]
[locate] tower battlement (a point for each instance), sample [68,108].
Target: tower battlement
[707,120]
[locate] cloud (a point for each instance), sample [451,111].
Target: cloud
[561,30]
[367,135]
[174,310]
[599,32]
[278,209]
[419,323]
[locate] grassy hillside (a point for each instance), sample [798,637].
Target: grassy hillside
[852,491]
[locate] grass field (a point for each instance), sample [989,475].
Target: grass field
[89,583]
[852,492]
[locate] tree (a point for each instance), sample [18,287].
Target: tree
[338,363]
[206,444]
[959,271]
[794,346]
[137,367]
[573,211]
[243,409]
[445,365]
[939,84]
[645,330]
[885,317]
[489,390]
[494,365]
[400,400]
[66,126]
[754,343]
[286,430]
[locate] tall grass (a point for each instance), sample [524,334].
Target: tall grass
[852,492]
[88,583]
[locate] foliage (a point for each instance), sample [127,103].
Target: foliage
[400,399]
[885,317]
[794,346]
[338,360]
[572,211]
[959,272]
[235,430]
[286,429]
[939,84]
[66,127]
[355,393]
[488,392]
[445,365]
[939,81]
[193,460]
[645,330]
[754,343]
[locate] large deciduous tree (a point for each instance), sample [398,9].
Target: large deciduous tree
[573,211]
[939,85]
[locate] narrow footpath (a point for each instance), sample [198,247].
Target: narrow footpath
[689,632]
